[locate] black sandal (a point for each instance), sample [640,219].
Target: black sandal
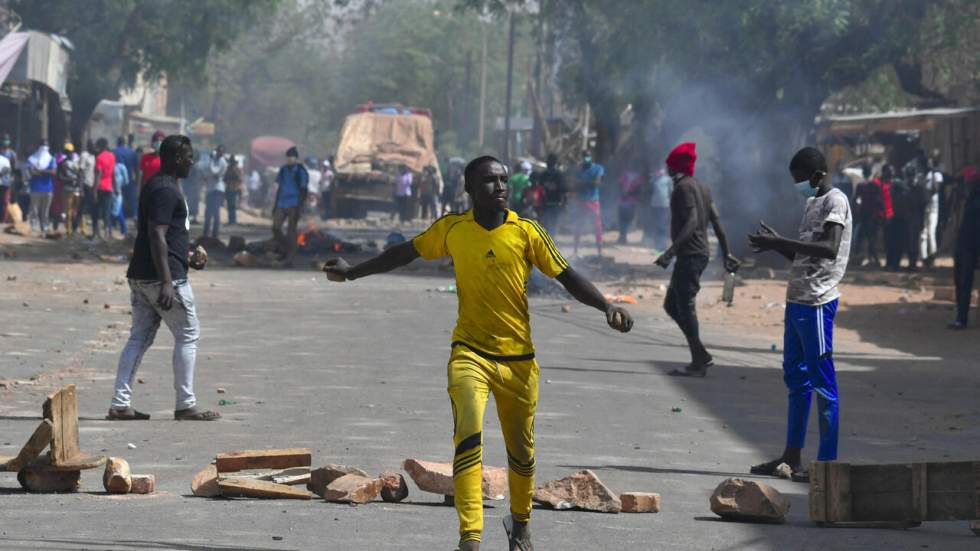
[692,370]
[194,414]
[128,414]
[768,468]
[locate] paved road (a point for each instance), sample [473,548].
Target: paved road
[357,373]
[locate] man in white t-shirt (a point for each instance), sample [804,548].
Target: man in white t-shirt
[313,189]
[819,260]
[927,239]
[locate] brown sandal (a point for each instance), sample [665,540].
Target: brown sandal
[128,414]
[194,414]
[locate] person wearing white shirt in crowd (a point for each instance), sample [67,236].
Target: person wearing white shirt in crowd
[326,187]
[313,193]
[927,239]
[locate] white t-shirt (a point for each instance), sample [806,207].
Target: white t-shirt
[313,186]
[86,164]
[813,281]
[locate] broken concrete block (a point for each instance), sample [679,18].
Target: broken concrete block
[437,478]
[749,501]
[322,477]
[784,471]
[39,478]
[393,487]
[263,459]
[117,478]
[143,484]
[582,490]
[640,502]
[205,483]
[352,488]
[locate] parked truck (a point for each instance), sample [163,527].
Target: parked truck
[374,142]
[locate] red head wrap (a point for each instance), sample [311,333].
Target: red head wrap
[682,158]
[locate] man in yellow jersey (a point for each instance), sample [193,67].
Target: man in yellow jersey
[493,251]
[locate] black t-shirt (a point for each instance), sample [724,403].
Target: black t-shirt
[554,186]
[161,204]
[690,196]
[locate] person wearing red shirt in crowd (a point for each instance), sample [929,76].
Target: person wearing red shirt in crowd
[105,166]
[150,162]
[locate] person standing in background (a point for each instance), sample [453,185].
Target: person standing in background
[519,182]
[428,191]
[42,166]
[662,187]
[326,187]
[553,182]
[86,171]
[233,189]
[120,184]
[105,168]
[6,177]
[130,192]
[588,179]
[630,188]
[403,194]
[313,187]
[967,248]
[214,193]
[927,238]
[71,188]
[293,182]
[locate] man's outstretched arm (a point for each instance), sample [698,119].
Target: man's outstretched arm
[397,256]
[586,293]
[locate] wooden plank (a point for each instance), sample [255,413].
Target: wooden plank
[4,459]
[62,409]
[293,480]
[261,489]
[952,490]
[818,491]
[78,463]
[271,476]
[33,448]
[263,459]
[881,493]
[920,491]
[839,492]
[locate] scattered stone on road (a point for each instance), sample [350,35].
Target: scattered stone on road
[143,484]
[582,490]
[322,477]
[640,502]
[205,483]
[394,488]
[784,471]
[117,478]
[437,478]
[352,488]
[748,501]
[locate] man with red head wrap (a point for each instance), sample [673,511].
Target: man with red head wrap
[691,208]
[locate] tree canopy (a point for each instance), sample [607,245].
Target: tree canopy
[116,41]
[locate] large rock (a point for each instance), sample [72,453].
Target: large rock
[143,484]
[322,477]
[43,480]
[393,487]
[437,478]
[748,501]
[582,490]
[352,488]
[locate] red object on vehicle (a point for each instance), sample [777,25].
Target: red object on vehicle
[270,150]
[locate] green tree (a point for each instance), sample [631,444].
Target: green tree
[115,41]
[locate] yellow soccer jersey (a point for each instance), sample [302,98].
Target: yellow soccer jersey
[492,270]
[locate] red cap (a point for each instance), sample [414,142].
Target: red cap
[159,135]
[682,158]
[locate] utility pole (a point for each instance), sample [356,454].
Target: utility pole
[510,87]
[483,85]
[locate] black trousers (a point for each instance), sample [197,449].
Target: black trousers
[964,264]
[685,283]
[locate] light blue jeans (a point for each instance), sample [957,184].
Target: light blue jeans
[182,321]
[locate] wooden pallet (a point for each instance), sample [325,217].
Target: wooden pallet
[900,496]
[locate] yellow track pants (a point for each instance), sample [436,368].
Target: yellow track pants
[514,385]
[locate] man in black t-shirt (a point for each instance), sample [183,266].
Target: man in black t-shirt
[159,288]
[691,209]
[553,183]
